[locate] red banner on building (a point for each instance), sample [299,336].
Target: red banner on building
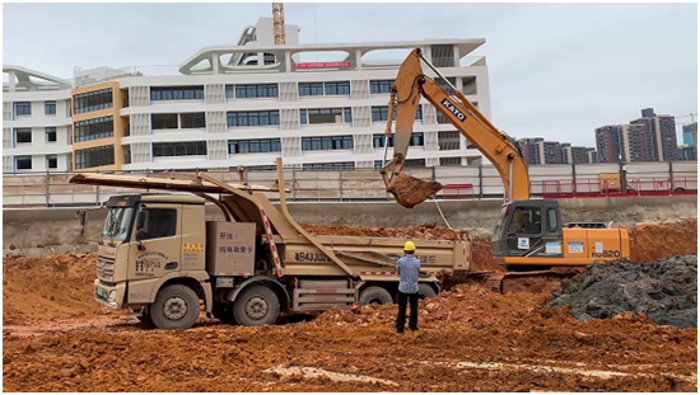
[321,65]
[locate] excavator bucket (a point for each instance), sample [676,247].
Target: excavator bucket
[410,191]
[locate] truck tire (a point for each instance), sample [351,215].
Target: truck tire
[426,291]
[176,307]
[256,305]
[376,296]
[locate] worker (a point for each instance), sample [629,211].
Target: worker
[408,269]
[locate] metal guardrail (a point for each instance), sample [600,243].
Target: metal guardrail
[461,183]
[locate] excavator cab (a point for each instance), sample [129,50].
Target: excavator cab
[528,228]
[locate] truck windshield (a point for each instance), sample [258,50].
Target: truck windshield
[117,223]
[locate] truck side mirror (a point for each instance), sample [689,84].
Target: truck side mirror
[141,224]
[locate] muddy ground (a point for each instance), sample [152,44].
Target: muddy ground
[470,339]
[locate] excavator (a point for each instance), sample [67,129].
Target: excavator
[529,239]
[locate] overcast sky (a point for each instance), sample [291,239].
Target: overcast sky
[555,70]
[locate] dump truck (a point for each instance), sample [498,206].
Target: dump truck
[159,257]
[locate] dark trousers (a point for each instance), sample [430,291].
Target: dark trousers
[412,299]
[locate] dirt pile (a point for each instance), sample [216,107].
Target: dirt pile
[410,191]
[652,241]
[665,290]
[48,288]
[469,338]
[420,232]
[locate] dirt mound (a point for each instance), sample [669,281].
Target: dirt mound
[665,290]
[652,241]
[48,288]
[420,232]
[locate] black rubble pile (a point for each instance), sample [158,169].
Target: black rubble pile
[665,290]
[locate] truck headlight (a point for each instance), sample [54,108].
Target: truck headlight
[112,296]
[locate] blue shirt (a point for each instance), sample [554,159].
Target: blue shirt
[408,269]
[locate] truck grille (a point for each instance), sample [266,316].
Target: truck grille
[105,267]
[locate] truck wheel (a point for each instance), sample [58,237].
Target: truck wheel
[426,291]
[375,296]
[256,306]
[176,307]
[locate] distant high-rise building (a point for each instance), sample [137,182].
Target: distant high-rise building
[687,152]
[550,152]
[609,143]
[661,130]
[690,133]
[575,155]
[637,143]
[530,150]
[591,155]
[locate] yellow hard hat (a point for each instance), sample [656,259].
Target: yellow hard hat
[409,246]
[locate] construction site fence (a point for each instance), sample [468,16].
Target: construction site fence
[480,182]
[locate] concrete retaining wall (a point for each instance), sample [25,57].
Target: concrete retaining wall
[57,227]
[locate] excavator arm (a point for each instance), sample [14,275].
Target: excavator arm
[499,148]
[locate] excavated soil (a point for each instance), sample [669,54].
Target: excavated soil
[470,339]
[48,288]
[410,191]
[652,241]
[665,290]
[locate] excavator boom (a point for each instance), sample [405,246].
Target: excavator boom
[501,150]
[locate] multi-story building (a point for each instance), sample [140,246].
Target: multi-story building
[690,133]
[36,122]
[550,153]
[637,142]
[661,130]
[530,150]
[609,143]
[244,105]
[687,152]
[591,155]
[575,155]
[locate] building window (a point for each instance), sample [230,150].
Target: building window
[415,141]
[192,120]
[52,161]
[50,108]
[189,148]
[178,93]
[325,116]
[94,157]
[448,141]
[93,101]
[51,135]
[23,108]
[338,88]
[253,118]
[23,162]
[23,135]
[311,89]
[330,166]
[380,86]
[254,146]
[252,91]
[164,121]
[94,129]
[326,143]
[381,113]
[126,149]
[450,161]
[258,168]
[408,163]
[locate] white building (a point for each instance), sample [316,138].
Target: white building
[249,103]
